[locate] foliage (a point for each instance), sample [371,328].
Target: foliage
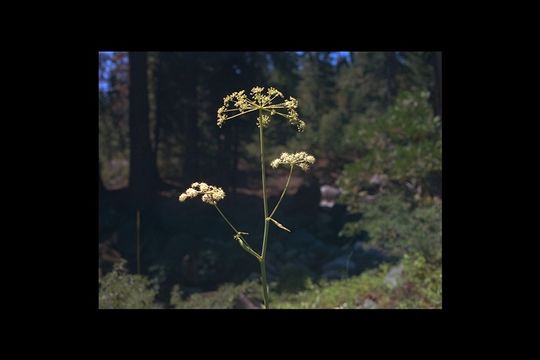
[404,146]
[341,98]
[423,285]
[419,288]
[345,293]
[120,290]
[396,185]
[393,224]
[224,298]
[294,278]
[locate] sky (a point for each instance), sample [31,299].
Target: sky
[335,55]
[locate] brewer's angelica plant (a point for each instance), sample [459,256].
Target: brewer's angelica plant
[268,105]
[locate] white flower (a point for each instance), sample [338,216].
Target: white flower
[292,103]
[192,192]
[203,187]
[210,194]
[257,90]
[263,120]
[301,159]
[238,103]
[275,163]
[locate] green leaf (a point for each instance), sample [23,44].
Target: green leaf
[278,224]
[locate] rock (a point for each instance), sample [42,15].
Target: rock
[322,252]
[378,179]
[329,195]
[371,258]
[332,275]
[243,302]
[394,276]
[302,239]
[343,263]
[358,247]
[369,304]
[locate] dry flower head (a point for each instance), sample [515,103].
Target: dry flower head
[238,103]
[210,194]
[301,159]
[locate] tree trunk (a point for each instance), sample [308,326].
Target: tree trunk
[191,158]
[143,173]
[159,106]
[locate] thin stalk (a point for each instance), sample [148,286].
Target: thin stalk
[283,193]
[227,220]
[264,284]
[242,113]
[265,235]
[138,241]
[247,247]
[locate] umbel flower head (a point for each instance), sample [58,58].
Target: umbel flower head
[210,194]
[238,103]
[301,159]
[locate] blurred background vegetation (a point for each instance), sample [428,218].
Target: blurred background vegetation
[366,220]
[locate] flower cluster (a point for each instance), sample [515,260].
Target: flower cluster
[263,121]
[292,115]
[211,194]
[238,103]
[301,159]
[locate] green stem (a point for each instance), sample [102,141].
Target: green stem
[264,284]
[225,218]
[283,193]
[265,235]
[246,247]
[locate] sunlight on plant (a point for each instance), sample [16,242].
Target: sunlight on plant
[238,103]
[235,105]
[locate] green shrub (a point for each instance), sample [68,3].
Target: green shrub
[294,278]
[396,183]
[345,293]
[419,287]
[404,145]
[120,290]
[422,287]
[399,227]
[223,298]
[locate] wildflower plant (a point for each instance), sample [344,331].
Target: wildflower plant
[268,104]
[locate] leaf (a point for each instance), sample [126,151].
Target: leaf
[279,225]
